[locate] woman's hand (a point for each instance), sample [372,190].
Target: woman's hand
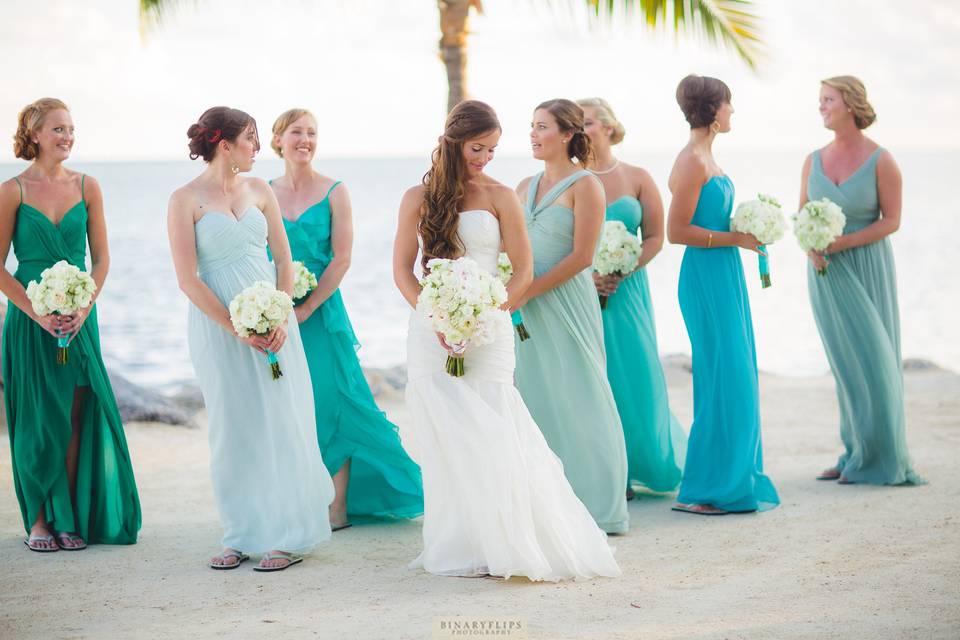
[443,343]
[606,285]
[277,338]
[302,312]
[818,260]
[836,246]
[749,242]
[70,325]
[51,323]
[258,343]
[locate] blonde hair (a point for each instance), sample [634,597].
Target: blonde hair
[29,122]
[854,95]
[606,117]
[281,124]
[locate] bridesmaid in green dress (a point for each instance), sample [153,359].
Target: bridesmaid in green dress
[562,371]
[360,447]
[855,304]
[656,444]
[71,468]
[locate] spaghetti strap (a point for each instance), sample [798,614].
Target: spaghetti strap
[17,178]
[332,187]
[83,179]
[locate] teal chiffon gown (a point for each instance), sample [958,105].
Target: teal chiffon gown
[562,373]
[656,444]
[724,466]
[384,481]
[855,307]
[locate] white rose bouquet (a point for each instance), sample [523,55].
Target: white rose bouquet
[618,252]
[817,224]
[505,271]
[764,219]
[303,281]
[259,309]
[462,302]
[63,289]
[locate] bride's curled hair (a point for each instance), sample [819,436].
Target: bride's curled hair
[445,183]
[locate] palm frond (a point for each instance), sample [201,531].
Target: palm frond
[152,13]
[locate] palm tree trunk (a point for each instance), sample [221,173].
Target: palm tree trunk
[453,47]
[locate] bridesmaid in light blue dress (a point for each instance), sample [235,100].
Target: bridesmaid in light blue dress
[372,473]
[270,485]
[656,444]
[855,304]
[724,467]
[561,370]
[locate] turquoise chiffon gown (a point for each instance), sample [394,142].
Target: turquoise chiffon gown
[269,483]
[562,372]
[855,307]
[724,466]
[384,481]
[656,444]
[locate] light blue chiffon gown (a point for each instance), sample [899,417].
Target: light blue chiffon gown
[562,370]
[270,486]
[855,307]
[724,466]
[384,481]
[656,444]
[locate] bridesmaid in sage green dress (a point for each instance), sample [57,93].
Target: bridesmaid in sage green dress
[855,303]
[656,444]
[561,370]
[71,467]
[371,471]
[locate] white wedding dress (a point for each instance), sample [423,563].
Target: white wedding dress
[495,497]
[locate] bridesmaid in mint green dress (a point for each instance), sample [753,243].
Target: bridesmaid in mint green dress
[71,468]
[656,444]
[855,303]
[561,370]
[371,471]
[724,466]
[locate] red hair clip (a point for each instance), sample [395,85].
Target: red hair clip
[215,137]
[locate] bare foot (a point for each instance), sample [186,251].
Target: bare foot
[41,540]
[338,517]
[277,561]
[829,474]
[70,541]
[699,509]
[228,559]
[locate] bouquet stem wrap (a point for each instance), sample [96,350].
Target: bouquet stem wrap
[63,340]
[274,365]
[517,320]
[764,267]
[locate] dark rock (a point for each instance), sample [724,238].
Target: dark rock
[138,404]
[919,364]
[677,361]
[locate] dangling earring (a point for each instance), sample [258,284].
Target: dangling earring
[235,168]
[715,127]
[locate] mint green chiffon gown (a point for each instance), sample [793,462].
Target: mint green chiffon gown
[384,481]
[855,307]
[656,443]
[562,371]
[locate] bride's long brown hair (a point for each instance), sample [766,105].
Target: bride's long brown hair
[446,181]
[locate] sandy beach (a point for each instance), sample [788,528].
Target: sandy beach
[832,561]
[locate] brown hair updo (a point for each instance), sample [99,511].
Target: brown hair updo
[29,121]
[283,122]
[569,117]
[700,97]
[445,183]
[854,95]
[216,124]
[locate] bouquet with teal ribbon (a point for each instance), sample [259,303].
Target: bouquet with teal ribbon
[817,225]
[63,290]
[764,219]
[259,309]
[505,271]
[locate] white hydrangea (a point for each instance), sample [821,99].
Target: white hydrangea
[259,309]
[818,224]
[63,289]
[303,280]
[763,218]
[618,250]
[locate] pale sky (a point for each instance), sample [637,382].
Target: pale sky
[369,70]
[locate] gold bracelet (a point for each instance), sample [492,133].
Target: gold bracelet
[709,240]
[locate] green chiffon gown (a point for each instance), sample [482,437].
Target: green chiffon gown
[562,371]
[384,481]
[656,443]
[855,307]
[39,393]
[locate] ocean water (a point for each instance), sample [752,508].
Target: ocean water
[143,313]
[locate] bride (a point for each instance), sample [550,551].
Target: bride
[496,500]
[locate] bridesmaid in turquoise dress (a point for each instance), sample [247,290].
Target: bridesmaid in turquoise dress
[270,485]
[561,370]
[724,467]
[656,444]
[371,471]
[855,304]
[71,467]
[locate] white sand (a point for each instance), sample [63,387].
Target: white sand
[832,561]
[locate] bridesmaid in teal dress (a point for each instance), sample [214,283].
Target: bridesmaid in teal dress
[656,444]
[561,370]
[71,467]
[855,304]
[724,467]
[371,471]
